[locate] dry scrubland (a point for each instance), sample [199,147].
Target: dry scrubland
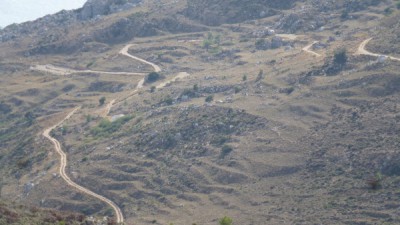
[263,135]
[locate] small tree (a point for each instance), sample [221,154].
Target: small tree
[30,118]
[153,77]
[196,87]
[207,44]
[153,89]
[340,57]
[209,98]
[244,78]
[102,100]
[225,150]
[260,75]
[225,221]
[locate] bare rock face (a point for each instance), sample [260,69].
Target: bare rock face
[93,8]
[216,12]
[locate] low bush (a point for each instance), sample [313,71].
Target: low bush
[107,127]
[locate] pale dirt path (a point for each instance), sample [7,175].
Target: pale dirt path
[106,110]
[103,113]
[289,36]
[125,52]
[362,51]
[63,174]
[65,71]
[308,47]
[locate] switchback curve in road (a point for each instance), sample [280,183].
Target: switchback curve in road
[66,178]
[104,113]
[308,47]
[362,51]
[125,52]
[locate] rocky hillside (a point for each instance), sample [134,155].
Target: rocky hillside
[13,214]
[217,12]
[262,111]
[389,43]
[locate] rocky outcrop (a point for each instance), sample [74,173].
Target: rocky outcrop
[93,8]
[141,25]
[216,12]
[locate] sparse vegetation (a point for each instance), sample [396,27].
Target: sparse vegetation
[237,89]
[153,77]
[212,42]
[340,57]
[196,87]
[279,122]
[225,150]
[209,98]
[375,182]
[102,100]
[225,221]
[260,75]
[106,127]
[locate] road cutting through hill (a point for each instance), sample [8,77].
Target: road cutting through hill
[64,163]
[57,146]
[362,51]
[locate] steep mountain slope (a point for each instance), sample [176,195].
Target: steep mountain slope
[240,119]
[217,12]
[18,214]
[389,42]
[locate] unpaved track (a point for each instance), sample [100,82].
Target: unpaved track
[64,71]
[125,52]
[104,112]
[308,47]
[63,164]
[362,51]
[57,146]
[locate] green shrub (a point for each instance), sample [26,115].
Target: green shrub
[169,100]
[209,98]
[219,140]
[102,100]
[107,127]
[152,77]
[189,92]
[340,57]
[388,11]
[237,89]
[196,87]
[344,15]
[225,221]
[88,118]
[260,75]
[225,150]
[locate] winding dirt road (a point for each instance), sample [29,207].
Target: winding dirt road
[362,51]
[125,52]
[57,146]
[64,71]
[63,174]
